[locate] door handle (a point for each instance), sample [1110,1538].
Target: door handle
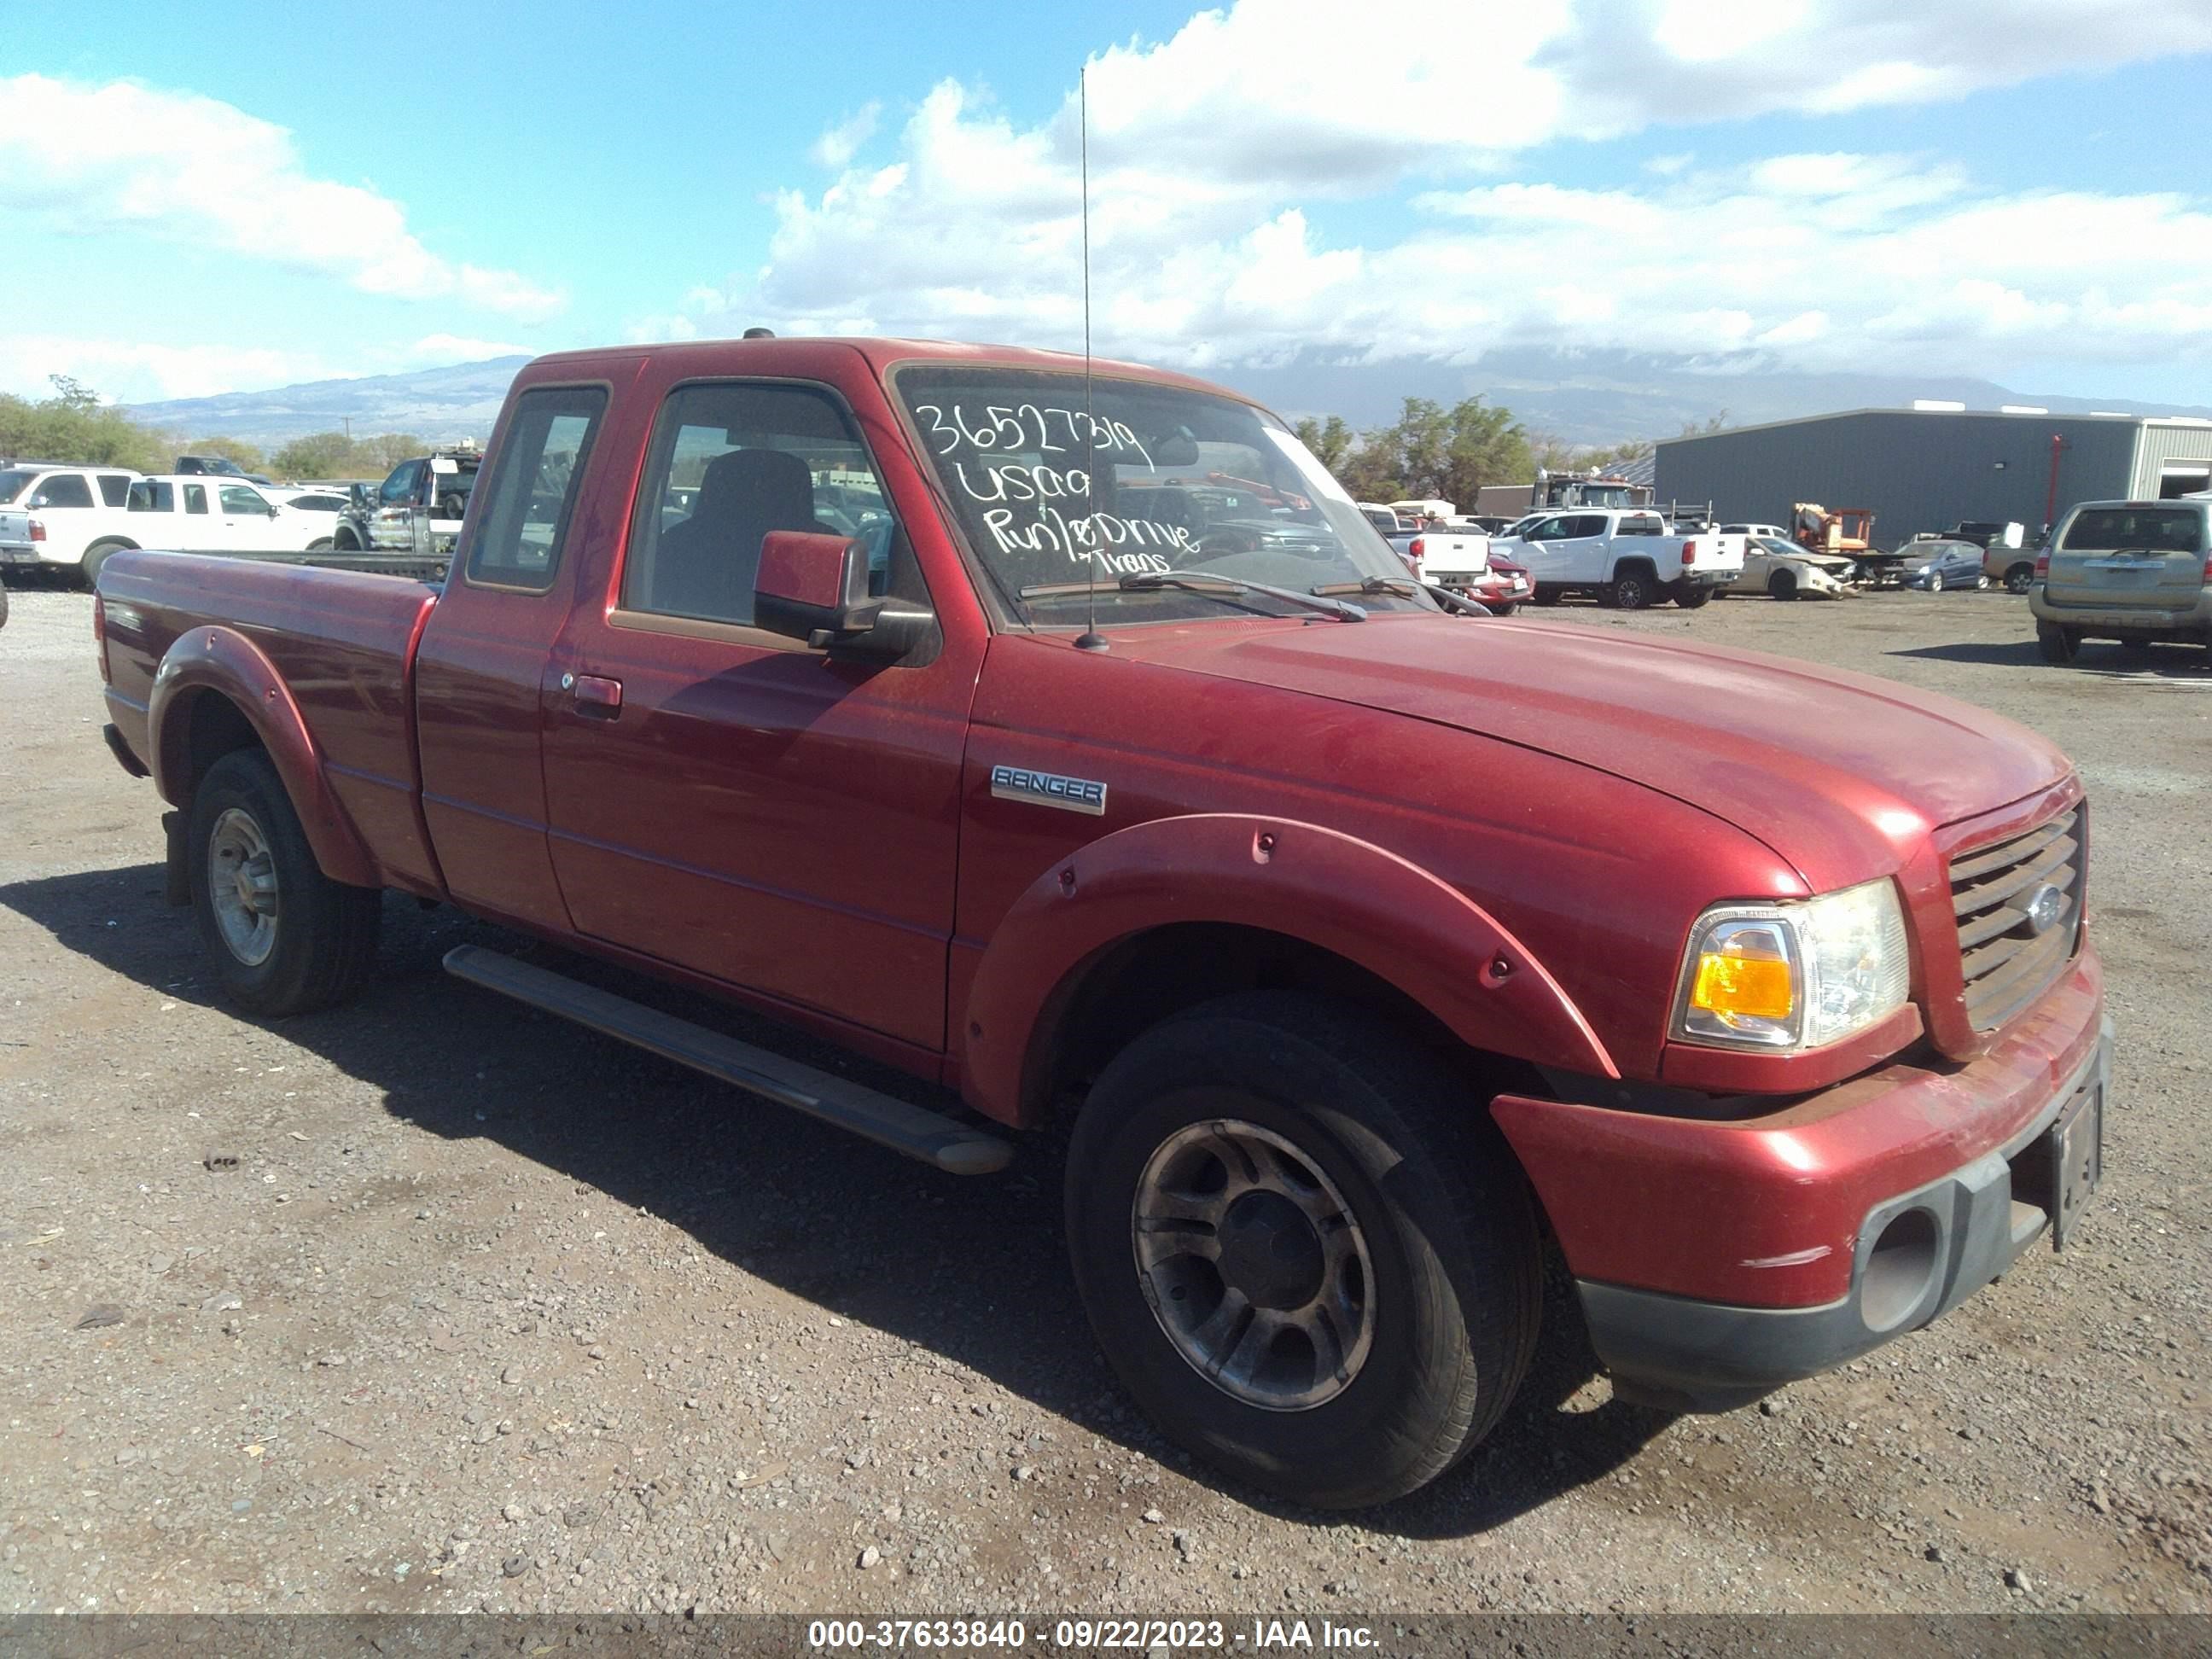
[595,694]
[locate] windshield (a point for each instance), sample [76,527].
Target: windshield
[1186,483]
[2155,529]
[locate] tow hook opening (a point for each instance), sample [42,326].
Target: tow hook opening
[1900,1268]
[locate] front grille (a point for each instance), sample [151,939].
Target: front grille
[2005,961]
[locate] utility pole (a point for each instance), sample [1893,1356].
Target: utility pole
[347,420]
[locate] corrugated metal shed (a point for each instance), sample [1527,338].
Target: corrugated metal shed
[1920,469]
[2174,458]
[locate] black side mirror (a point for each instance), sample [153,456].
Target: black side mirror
[1176,448]
[815,587]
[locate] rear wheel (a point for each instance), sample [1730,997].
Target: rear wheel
[2020,579]
[1632,590]
[95,557]
[1307,1253]
[1935,581]
[1546,595]
[1504,607]
[1981,582]
[2058,644]
[1691,596]
[285,937]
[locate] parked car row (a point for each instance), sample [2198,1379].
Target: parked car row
[73,518]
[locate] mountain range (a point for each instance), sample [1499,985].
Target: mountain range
[1580,398]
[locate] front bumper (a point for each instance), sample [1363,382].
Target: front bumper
[1963,1230]
[1717,1258]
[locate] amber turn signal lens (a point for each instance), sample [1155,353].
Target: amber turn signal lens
[1744,986]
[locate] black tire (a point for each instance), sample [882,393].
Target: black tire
[345,542]
[1632,590]
[1504,607]
[1438,1204]
[2059,645]
[1547,596]
[95,558]
[1782,584]
[1691,596]
[324,931]
[320,546]
[2020,578]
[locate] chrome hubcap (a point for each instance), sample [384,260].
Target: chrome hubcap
[242,882]
[1253,1265]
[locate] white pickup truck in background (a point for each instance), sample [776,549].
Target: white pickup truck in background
[69,516]
[1629,558]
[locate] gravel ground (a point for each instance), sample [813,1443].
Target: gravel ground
[433,1304]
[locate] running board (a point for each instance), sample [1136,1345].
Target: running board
[897,1124]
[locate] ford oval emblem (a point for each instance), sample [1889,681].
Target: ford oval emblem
[2044,908]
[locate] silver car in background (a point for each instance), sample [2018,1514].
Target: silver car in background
[2132,571]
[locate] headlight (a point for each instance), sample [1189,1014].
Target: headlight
[1794,975]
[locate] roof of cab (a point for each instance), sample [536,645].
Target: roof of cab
[740,357]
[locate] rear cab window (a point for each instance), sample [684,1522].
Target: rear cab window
[149,495]
[533,486]
[1641,524]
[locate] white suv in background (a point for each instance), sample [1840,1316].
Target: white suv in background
[215,512]
[77,514]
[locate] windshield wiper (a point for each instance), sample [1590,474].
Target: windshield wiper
[1145,581]
[1405,589]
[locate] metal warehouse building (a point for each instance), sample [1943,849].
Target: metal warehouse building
[1930,468]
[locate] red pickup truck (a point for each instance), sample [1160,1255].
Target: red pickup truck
[1071,741]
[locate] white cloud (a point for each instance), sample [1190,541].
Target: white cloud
[1216,153]
[129,371]
[192,169]
[434,350]
[836,147]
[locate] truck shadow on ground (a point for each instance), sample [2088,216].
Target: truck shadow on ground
[2103,660]
[970,1270]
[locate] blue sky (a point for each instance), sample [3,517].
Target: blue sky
[1997,187]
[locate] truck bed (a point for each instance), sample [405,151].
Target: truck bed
[340,641]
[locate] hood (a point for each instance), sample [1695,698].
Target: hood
[1840,774]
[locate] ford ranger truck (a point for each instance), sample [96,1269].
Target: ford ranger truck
[1364,949]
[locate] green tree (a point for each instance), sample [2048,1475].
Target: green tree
[1331,440]
[73,425]
[319,455]
[1434,452]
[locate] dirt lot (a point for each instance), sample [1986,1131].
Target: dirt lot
[493,1313]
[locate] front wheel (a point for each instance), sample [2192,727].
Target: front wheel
[319,546]
[1503,607]
[1307,1253]
[284,936]
[2059,646]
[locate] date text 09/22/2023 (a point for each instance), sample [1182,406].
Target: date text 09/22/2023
[1143,1635]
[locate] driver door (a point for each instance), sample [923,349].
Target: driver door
[724,799]
[1546,544]
[247,523]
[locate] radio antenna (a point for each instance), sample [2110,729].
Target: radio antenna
[1091,639]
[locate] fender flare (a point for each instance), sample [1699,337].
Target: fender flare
[1357,901]
[223,662]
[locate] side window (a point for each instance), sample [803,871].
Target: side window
[398,489]
[732,461]
[195,498]
[1586,524]
[149,496]
[114,489]
[532,482]
[1550,529]
[63,489]
[246,503]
